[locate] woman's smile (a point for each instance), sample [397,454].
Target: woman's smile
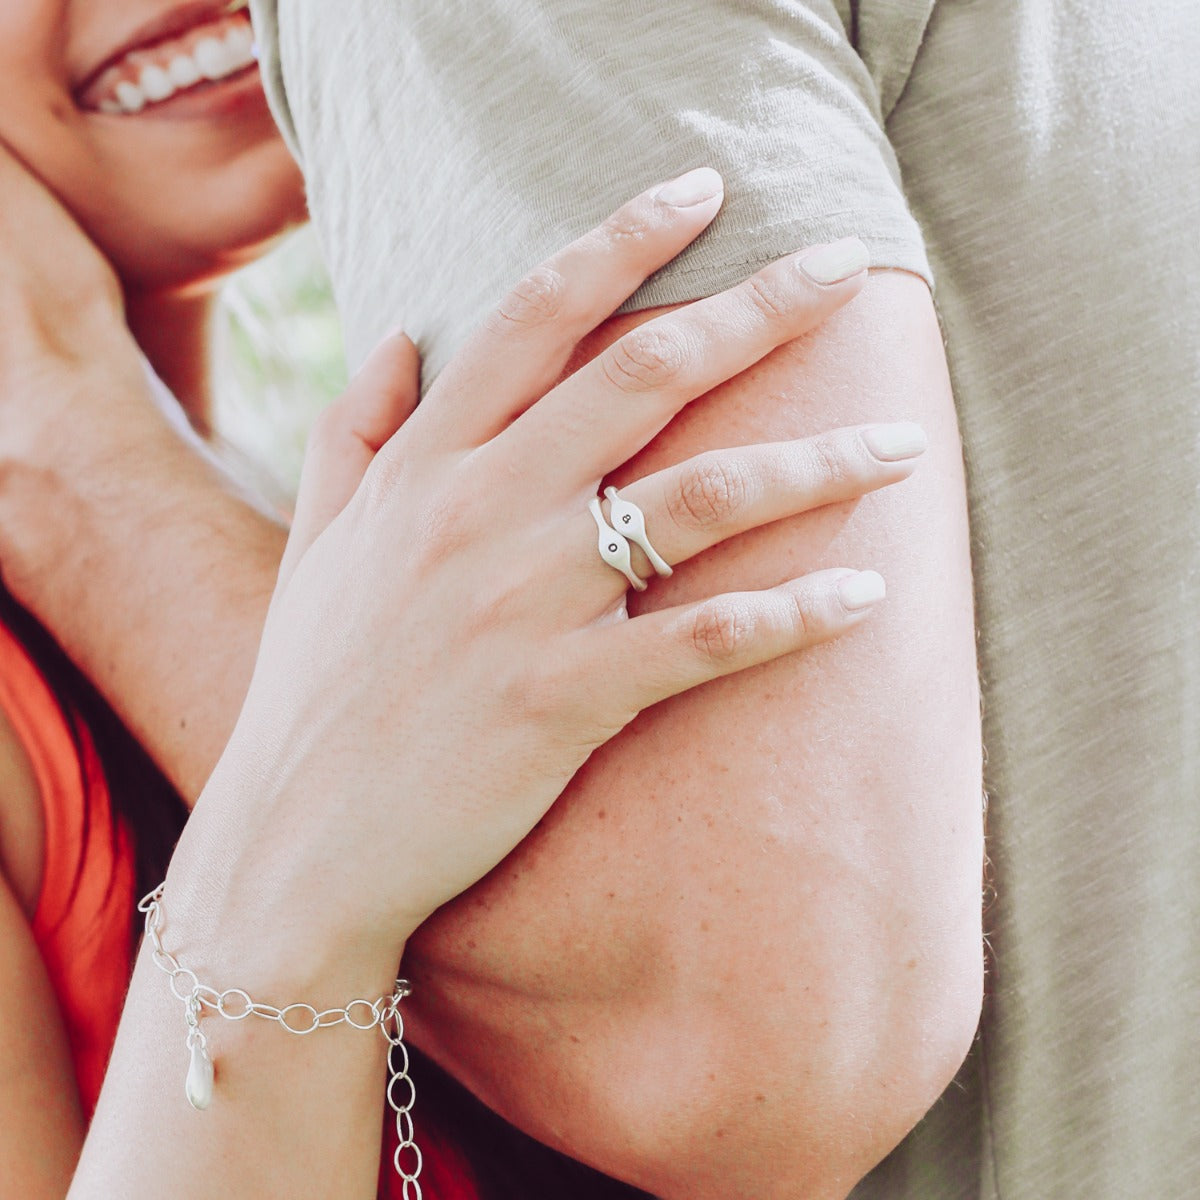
[147,118]
[200,51]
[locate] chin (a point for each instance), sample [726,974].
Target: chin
[210,225]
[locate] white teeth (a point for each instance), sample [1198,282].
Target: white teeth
[183,72]
[212,58]
[217,59]
[239,42]
[130,97]
[156,84]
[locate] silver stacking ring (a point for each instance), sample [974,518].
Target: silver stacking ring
[614,548]
[629,520]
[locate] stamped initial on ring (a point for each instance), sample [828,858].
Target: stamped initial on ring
[614,548]
[628,519]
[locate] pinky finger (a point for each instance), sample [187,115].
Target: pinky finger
[663,653]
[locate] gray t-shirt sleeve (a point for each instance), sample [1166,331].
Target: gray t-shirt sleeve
[450,145]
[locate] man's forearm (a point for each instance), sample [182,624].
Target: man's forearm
[747,940]
[151,569]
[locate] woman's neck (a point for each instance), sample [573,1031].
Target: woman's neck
[174,334]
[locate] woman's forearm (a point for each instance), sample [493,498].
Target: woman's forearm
[151,568]
[291,1116]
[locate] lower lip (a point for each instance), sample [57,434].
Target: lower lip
[223,97]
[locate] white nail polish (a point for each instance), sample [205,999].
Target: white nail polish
[860,591]
[693,188]
[836,262]
[897,441]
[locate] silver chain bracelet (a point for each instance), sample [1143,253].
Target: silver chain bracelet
[234,1004]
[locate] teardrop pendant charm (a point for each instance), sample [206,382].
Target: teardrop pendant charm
[199,1085]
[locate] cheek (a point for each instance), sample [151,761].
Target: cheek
[167,216]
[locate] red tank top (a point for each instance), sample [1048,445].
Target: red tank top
[83,921]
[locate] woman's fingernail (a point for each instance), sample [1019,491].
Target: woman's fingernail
[836,262]
[899,440]
[860,591]
[693,188]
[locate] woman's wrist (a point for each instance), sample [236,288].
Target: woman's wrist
[276,956]
[241,913]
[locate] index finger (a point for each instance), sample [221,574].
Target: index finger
[524,346]
[614,405]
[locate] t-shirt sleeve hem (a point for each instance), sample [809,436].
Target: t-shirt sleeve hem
[706,274]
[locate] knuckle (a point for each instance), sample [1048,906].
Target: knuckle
[722,630]
[387,475]
[805,617]
[536,300]
[709,492]
[646,358]
[629,225]
[830,464]
[769,296]
[439,521]
[449,525]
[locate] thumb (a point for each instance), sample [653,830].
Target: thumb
[346,437]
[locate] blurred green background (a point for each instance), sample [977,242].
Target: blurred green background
[279,357]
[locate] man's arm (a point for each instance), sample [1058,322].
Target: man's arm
[151,568]
[747,941]
[746,946]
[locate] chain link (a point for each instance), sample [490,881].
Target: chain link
[235,1004]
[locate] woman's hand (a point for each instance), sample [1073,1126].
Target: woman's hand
[60,302]
[441,658]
